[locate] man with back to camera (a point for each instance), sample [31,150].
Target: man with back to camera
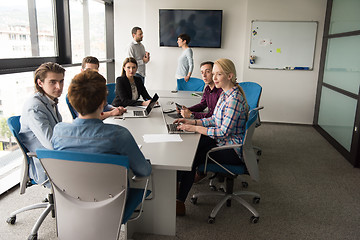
[137,50]
[93,63]
[88,133]
[209,98]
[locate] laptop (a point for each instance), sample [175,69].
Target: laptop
[172,127]
[175,115]
[142,113]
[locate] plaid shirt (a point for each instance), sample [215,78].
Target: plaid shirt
[227,124]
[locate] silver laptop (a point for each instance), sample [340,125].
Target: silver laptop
[142,113]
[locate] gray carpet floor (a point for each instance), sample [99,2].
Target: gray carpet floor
[308,191]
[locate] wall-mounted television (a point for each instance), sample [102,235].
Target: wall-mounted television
[203,27]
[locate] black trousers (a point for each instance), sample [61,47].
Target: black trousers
[186,178]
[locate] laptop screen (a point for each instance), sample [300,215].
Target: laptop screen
[151,104]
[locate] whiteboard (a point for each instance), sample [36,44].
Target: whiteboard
[282,45]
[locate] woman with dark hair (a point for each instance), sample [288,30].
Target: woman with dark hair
[185,61]
[129,87]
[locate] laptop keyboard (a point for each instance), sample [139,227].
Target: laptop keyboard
[138,113]
[173,127]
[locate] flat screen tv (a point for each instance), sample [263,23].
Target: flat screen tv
[203,27]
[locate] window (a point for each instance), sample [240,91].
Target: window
[25,34]
[87,19]
[42,37]
[15,88]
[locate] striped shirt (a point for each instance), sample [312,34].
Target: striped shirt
[227,124]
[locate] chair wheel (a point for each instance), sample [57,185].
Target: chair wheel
[32,237]
[211,220]
[244,184]
[213,188]
[193,200]
[11,220]
[254,219]
[256,200]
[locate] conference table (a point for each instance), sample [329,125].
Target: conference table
[159,215]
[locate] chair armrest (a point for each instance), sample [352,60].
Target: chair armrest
[139,179]
[220,148]
[256,109]
[31,154]
[216,149]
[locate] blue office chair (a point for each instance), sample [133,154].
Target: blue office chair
[26,181]
[91,193]
[72,110]
[230,172]
[252,92]
[111,92]
[194,84]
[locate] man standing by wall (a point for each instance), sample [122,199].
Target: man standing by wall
[137,50]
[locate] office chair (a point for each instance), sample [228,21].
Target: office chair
[25,181]
[230,172]
[194,84]
[91,193]
[253,92]
[111,92]
[72,110]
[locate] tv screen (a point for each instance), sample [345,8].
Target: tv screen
[203,27]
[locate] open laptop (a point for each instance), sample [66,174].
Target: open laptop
[172,127]
[142,113]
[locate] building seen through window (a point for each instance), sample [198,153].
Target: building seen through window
[22,36]
[28,30]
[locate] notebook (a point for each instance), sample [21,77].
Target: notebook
[142,113]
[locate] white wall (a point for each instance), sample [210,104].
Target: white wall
[287,96]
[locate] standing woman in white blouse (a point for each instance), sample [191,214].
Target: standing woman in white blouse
[185,61]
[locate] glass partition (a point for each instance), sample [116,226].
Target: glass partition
[342,64]
[345,16]
[337,116]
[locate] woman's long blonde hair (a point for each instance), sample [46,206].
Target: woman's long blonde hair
[228,67]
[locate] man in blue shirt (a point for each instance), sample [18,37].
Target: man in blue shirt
[87,133]
[93,63]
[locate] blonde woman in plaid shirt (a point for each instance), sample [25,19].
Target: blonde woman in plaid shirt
[225,126]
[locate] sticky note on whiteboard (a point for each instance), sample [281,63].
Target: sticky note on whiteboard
[278,50]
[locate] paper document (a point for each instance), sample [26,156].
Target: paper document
[154,138]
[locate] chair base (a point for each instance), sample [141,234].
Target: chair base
[222,187]
[49,206]
[227,197]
